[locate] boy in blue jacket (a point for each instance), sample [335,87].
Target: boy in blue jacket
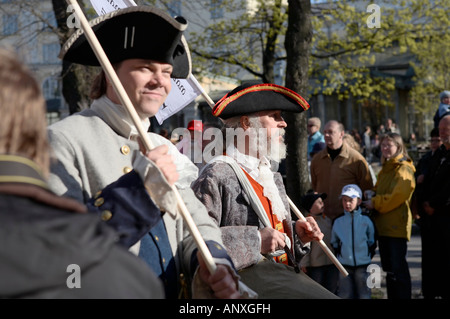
[353,238]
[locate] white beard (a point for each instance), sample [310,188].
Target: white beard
[266,180]
[260,144]
[268,148]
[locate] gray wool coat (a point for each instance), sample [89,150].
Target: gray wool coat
[93,148]
[218,188]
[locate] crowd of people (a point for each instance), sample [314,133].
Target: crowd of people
[86,195]
[388,203]
[397,197]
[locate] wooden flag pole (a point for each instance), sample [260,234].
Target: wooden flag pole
[203,92]
[126,102]
[321,242]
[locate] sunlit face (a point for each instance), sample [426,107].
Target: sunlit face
[350,204]
[274,125]
[333,135]
[312,128]
[388,148]
[435,143]
[444,131]
[272,120]
[317,207]
[147,84]
[445,100]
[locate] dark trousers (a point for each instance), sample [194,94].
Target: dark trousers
[393,260]
[437,260]
[327,276]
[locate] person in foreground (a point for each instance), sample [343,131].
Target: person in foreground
[50,246]
[99,160]
[246,197]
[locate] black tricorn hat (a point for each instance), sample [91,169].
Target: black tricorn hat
[139,32]
[248,98]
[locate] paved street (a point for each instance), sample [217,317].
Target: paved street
[414,258]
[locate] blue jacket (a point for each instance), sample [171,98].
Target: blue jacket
[352,237]
[315,138]
[133,214]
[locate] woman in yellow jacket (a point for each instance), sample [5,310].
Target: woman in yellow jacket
[393,219]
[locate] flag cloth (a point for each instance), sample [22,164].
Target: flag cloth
[183,91]
[105,6]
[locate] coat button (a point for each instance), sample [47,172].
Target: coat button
[127,169]
[125,150]
[106,215]
[99,202]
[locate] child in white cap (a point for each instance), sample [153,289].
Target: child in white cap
[353,239]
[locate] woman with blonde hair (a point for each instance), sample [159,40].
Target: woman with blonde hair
[393,220]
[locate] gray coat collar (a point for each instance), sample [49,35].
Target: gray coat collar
[117,117]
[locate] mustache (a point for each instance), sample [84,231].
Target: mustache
[281,132]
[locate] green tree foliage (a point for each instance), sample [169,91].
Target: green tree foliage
[229,36]
[416,29]
[345,50]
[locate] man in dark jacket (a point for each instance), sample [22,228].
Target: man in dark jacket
[50,247]
[435,200]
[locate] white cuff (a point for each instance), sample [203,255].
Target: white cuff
[156,184]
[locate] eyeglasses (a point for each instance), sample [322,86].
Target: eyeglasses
[387,145]
[435,140]
[311,125]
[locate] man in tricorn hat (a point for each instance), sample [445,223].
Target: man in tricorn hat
[246,197]
[99,162]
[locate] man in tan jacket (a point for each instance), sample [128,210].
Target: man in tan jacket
[336,166]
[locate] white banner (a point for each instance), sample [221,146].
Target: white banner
[183,91]
[105,6]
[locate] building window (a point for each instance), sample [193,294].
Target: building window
[175,8]
[50,53]
[49,20]
[10,25]
[216,9]
[51,90]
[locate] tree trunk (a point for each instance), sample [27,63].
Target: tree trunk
[297,44]
[76,79]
